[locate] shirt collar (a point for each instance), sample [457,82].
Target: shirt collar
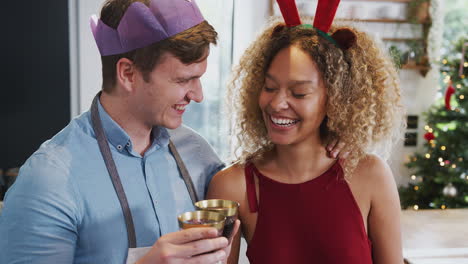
[117,136]
[160,136]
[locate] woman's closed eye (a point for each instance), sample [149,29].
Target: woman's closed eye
[298,95]
[268,89]
[301,92]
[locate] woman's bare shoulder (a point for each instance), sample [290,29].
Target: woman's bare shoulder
[374,176]
[371,175]
[228,182]
[372,168]
[232,171]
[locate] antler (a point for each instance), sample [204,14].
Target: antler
[325,13]
[289,11]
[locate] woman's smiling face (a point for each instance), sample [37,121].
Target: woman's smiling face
[293,100]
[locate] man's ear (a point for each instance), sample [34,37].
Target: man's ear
[126,74]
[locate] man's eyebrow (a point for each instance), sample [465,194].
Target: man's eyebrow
[186,78]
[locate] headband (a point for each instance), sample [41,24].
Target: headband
[324,15]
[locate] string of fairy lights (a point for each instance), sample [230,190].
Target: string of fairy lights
[448,190]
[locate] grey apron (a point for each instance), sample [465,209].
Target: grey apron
[112,169]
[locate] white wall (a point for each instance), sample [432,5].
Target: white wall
[86,58]
[249,19]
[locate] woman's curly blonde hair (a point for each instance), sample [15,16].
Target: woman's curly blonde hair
[363,106]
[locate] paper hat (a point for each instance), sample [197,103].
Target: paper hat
[141,25]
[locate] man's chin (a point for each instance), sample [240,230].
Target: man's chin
[173,124]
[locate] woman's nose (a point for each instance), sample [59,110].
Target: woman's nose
[279,102]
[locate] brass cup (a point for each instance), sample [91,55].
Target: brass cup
[202,219]
[226,207]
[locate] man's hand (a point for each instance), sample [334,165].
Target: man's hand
[191,246]
[336,150]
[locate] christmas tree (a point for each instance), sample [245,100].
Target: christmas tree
[439,176]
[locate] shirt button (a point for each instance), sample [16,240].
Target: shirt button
[119,147]
[128,144]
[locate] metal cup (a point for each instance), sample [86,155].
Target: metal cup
[226,207]
[202,219]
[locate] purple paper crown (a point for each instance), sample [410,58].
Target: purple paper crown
[141,25]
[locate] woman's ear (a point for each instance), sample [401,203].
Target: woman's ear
[126,74]
[345,38]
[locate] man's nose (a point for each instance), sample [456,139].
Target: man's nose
[196,92]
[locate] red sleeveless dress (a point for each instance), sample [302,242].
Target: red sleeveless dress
[317,221]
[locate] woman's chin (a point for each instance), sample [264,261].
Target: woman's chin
[281,140]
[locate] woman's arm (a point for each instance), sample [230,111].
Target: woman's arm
[384,215]
[229,184]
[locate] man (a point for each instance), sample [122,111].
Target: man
[115,178]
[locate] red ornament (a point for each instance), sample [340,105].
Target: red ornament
[429,136]
[448,94]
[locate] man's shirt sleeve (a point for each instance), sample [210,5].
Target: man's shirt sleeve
[39,220]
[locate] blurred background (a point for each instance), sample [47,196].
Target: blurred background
[51,72]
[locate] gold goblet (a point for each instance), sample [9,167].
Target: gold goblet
[226,207]
[202,219]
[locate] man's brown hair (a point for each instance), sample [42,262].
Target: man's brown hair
[189,46]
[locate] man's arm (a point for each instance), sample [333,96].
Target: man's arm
[39,221]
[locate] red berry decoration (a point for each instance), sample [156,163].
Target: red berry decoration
[448,95]
[429,136]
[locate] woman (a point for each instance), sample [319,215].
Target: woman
[295,90]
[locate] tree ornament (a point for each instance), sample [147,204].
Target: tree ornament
[448,95]
[416,179]
[449,190]
[462,61]
[429,136]
[463,176]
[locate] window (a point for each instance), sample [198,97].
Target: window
[207,117]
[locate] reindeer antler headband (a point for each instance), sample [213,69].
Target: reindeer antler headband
[324,15]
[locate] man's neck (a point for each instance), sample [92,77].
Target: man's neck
[119,110]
